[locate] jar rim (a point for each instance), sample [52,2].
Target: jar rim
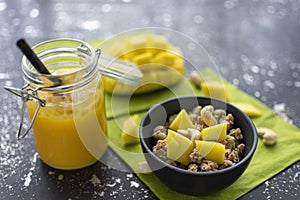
[65,45]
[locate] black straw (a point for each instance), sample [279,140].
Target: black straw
[32,57]
[35,61]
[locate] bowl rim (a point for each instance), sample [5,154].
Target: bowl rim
[243,161]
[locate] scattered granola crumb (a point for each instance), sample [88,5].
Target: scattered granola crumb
[60,177]
[229,142]
[134,184]
[95,180]
[118,180]
[160,132]
[196,157]
[230,120]
[129,175]
[111,184]
[236,133]
[51,172]
[208,165]
[220,115]
[193,167]
[28,179]
[101,194]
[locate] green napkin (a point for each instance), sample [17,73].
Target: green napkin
[267,160]
[117,105]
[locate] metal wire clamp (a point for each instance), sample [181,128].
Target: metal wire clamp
[27,94]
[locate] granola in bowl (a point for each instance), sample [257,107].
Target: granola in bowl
[212,133]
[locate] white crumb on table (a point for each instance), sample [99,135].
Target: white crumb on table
[95,180]
[134,184]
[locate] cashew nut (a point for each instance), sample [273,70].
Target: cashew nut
[191,133]
[207,116]
[196,79]
[269,136]
[183,132]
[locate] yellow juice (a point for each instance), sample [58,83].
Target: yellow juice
[70,131]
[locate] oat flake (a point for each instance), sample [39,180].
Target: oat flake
[111,185]
[129,175]
[95,180]
[118,180]
[134,184]
[101,194]
[60,177]
[51,172]
[28,179]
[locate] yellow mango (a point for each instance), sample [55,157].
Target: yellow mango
[147,51]
[109,83]
[130,55]
[142,59]
[215,133]
[212,151]
[214,89]
[178,65]
[181,121]
[165,58]
[179,147]
[247,108]
[130,130]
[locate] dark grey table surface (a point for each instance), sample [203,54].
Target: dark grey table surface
[255,44]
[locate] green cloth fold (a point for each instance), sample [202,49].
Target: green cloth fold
[267,160]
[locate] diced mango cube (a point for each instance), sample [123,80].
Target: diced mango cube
[214,89]
[247,108]
[144,58]
[181,121]
[130,130]
[179,65]
[171,60]
[179,147]
[165,58]
[212,151]
[215,133]
[130,55]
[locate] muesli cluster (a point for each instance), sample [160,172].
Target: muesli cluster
[202,118]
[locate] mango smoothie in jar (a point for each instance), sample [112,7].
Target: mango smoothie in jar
[70,129]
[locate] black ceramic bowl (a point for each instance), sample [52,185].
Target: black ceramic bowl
[188,182]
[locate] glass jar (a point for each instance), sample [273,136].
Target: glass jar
[67,108]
